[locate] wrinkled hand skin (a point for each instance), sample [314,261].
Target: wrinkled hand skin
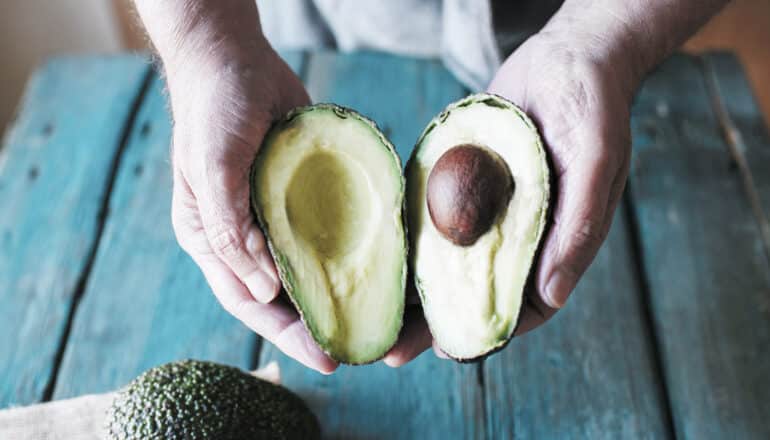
[576,79]
[227,86]
[581,106]
[221,113]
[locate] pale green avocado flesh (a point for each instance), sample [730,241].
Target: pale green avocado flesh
[472,295]
[328,192]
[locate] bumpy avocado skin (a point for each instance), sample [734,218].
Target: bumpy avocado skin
[288,281]
[546,214]
[204,400]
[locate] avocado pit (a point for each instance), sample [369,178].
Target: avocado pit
[468,188]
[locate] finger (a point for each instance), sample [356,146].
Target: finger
[534,312]
[185,219]
[277,322]
[616,190]
[415,338]
[439,352]
[221,186]
[579,225]
[590,190]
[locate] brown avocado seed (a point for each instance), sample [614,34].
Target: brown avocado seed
[468,187]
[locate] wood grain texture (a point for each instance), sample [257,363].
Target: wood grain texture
[146,302]
[746,130]
[429,398]
[54,172]
[708,276]
[588,373]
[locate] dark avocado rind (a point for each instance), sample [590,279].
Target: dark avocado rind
[545,211]
[204,400]
[283,266]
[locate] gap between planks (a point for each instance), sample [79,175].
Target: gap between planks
[481,383]
[631,225]
[82,281]
[736,147]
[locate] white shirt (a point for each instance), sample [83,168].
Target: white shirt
[460,32]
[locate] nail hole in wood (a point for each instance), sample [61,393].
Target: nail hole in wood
[145,130]
[138,170]
[47,129]
[650,129]
[33,173]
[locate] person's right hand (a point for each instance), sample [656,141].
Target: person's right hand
[223,106]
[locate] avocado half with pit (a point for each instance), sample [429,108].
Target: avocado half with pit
[328,192]
[478,191]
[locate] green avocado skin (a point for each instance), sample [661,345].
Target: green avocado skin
[204,400]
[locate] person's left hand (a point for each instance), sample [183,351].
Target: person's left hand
[580,102]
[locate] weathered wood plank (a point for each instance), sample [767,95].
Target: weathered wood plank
[745,129]
[146,302]
[708,276]
[55,169]
[590,372]
[401,94]
[429,398]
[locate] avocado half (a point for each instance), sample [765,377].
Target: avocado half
[478,191]
[328,192]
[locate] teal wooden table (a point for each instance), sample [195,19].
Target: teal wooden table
[667,335]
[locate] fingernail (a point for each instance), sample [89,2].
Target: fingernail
[393,360]
[266,263]
[317,357]
[262,286]
[558,288]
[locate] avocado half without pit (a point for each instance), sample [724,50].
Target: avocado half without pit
[329,195]
[478,191]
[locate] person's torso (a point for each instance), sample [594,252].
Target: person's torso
[471,36]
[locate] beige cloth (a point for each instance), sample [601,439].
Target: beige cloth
[81,418]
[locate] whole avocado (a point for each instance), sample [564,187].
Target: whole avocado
[203,400]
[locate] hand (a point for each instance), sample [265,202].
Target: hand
[223,107]
[222,110]
[581,107]
[580,103]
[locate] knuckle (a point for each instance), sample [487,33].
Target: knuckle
[589,235]
[227,241]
